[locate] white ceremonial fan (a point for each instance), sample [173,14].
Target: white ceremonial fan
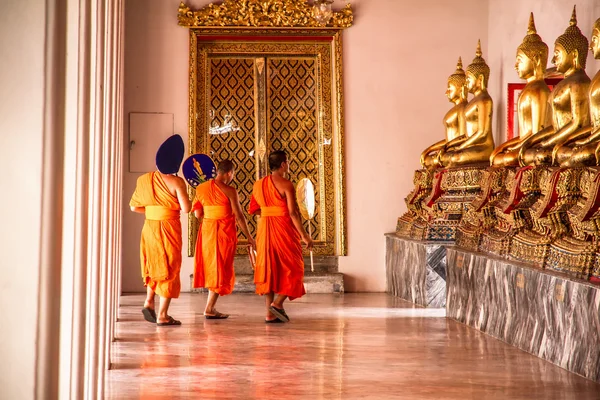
[305,195]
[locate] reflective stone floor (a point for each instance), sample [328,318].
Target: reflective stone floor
[352,346]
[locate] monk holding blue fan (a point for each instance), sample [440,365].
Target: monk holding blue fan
[161,195]
[218,206]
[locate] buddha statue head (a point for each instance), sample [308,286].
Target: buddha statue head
[595,42]
[456,84]
[478,72]
[570,49]
[532,54]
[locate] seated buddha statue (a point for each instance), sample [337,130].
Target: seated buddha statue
[569,100]
[587,151]
[477,145]
[454,120]
[533,107]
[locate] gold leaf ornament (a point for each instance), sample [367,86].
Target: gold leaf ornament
[261,13]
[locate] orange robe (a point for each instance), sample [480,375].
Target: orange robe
[160,246]
[217,240]
[279,262]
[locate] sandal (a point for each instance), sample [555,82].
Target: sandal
[217,315]
[171,322]
[273,321]
[149,314]
[279,313]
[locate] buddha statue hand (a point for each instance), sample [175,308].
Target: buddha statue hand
[583,142]
[524,147]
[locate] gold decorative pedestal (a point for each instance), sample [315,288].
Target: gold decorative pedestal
[482,216]
[453,191]
[550,223]
[405,227]
[577,252]
[531,243]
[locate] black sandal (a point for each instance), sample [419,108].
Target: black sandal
[217,315]
[171,322]
[273,321]
[149,314]
[279,313]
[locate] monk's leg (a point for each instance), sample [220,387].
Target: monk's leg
[148,310]
[149,303]
[163,317]
[162,310]
[277,308]
[268,301]
[278,302]
[210,303]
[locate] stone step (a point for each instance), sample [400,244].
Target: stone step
[313,283]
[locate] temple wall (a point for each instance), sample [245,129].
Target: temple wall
[397,58]
[21,124]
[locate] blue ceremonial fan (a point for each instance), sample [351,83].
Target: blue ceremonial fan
[170,155]
[198,168]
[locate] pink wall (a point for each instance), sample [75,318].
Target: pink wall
[22,37]
[397,58]
[156,80]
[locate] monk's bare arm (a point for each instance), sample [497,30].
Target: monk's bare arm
[139,210]
[198,214]
[239,215]
[182,196]
[294,211]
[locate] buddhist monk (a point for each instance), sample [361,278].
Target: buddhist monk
[218,205]
[161,195]
[279,266]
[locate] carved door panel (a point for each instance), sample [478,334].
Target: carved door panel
[292,121]
[250,98]
[232,86]
[272,104]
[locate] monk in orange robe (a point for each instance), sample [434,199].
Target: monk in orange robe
[160,197]
[218,205]
[279,263]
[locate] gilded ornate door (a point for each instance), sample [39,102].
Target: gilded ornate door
[292,123]
[271,104]
[253,98]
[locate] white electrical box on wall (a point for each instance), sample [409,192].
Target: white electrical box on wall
[147,131]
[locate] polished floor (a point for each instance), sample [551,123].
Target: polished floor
[352,346]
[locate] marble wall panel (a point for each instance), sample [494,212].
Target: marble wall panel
[547,314]
[416,271]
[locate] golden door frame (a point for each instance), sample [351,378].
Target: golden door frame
[326,46]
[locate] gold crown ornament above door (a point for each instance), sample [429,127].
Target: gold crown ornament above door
[267,13]
[266,75]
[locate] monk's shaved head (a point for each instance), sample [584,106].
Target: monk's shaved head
[225,166]
[277,158]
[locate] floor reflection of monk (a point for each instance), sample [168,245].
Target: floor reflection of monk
[279,263]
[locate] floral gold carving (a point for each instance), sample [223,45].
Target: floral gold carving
[261,13]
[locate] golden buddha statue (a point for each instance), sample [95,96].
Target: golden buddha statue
[533,107]
[587,151]
[569,99]
[478,144]
[454,120]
